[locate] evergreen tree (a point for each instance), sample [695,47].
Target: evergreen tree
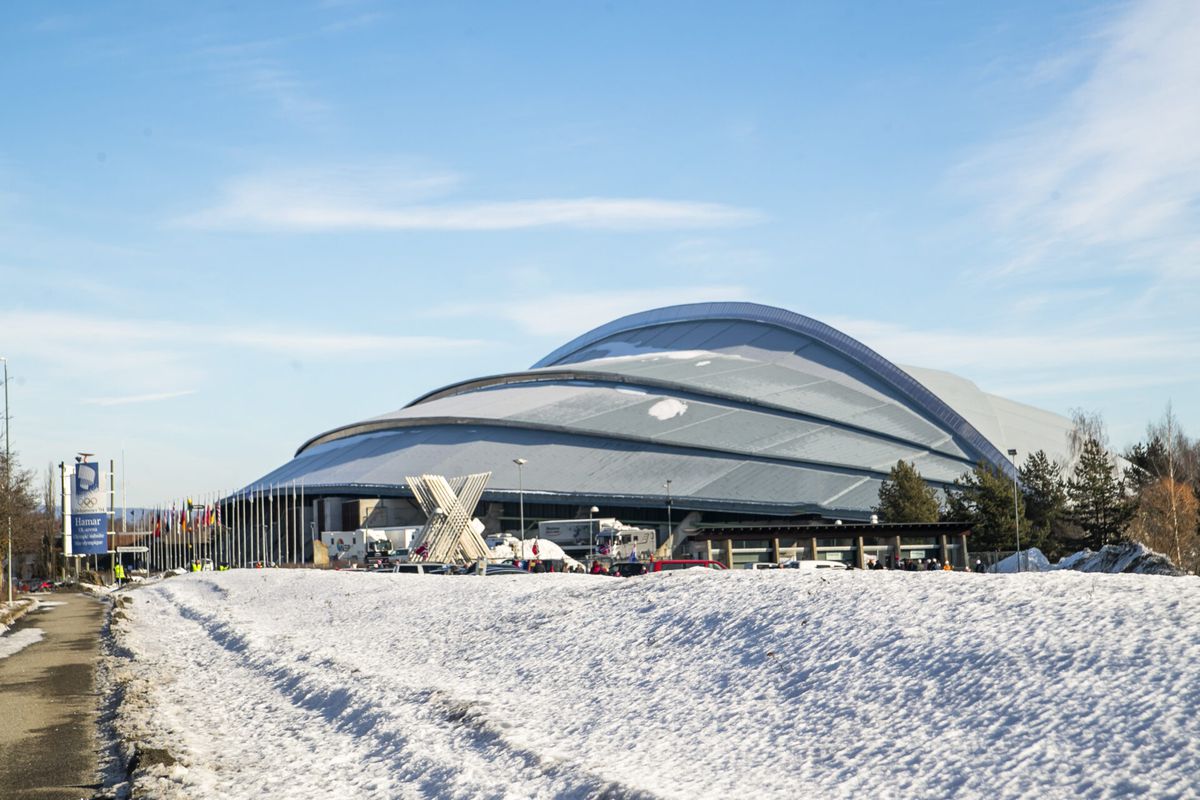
[1098,498]
[984,497]
[1045,500]
[905,497]
[1148,463]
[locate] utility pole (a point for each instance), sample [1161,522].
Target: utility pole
[7,484]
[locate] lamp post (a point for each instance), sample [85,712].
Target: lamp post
[1016,516]
[520,462]
[669,528]
[592,530]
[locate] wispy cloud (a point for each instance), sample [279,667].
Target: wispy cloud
[154,353]
[568,314]
[256,68]
[973,352]
[1117,164]
[329,200]
[137,398]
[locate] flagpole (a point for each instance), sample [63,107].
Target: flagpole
[304,531]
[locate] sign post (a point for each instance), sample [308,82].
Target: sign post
[89,512]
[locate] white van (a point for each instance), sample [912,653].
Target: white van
[809,565]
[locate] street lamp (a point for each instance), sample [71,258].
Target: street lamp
[669,529]
[1016,516]
[592,530]
[520,462]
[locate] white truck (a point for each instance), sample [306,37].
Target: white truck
[607,534]
[365,545]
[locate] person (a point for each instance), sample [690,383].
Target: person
[947,567]
[597,568]
[979,566]
[119,574]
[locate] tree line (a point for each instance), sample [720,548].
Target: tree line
[1148,496]
[33,511]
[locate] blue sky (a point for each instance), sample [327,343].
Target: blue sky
[225,229]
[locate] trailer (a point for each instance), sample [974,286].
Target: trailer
[367,545]
[606,536]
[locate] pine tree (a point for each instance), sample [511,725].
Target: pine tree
[1098,498]
[1045,500]
[984,497]
[905,497]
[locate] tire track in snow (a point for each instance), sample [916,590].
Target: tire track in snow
[420,743]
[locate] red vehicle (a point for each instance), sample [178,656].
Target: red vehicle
[683,563]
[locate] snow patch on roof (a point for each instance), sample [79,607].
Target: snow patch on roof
[667,408]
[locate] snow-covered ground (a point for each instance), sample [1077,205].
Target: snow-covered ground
[696,684]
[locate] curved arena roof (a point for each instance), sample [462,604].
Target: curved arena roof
[742,407]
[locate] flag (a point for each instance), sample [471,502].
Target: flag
[158,528]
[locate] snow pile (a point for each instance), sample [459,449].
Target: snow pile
[1032,560]
[13,643]
[1129,557]
[693,684]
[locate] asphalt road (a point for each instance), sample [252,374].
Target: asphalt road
[48,704]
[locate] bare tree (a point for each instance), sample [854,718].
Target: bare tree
[1179,475]
[1085,425]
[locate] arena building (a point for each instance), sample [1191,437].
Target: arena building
[678,417]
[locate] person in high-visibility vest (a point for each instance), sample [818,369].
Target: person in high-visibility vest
[119,574]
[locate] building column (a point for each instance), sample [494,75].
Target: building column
[812,544]
[708,550]
[899,552]
[729,553]
[775,549]
[945,550]
[861,554]
[962,547]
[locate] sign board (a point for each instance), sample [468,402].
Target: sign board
[133,548]
[89,512]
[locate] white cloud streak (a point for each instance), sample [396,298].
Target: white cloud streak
[568,314]
[973,351]
[137,398]
[361,198]
[154,353]
[1117,165]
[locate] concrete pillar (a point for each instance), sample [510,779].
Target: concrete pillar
[860,553]
[775,550]
[708,550]
[729,553]
[945,550]
[812,545]
[962,549]
[896,544]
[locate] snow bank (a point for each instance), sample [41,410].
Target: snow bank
[13,643]
[1032,560]
[1114,558]
[694,684]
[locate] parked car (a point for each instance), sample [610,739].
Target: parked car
[628,569]
[761,565]
[683,563]
[503,569]
[810,565]
[417,568]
